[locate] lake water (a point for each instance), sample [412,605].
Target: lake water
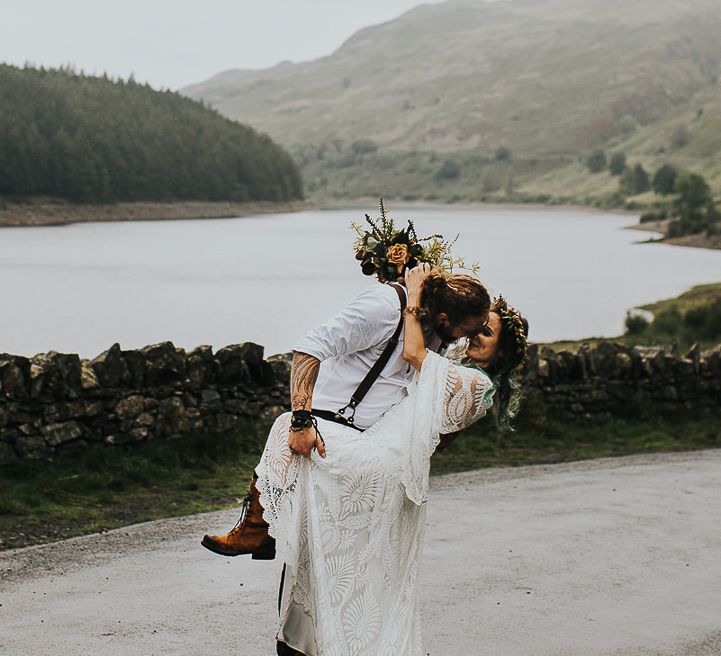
[267,279]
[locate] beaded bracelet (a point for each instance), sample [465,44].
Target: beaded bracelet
[415,312]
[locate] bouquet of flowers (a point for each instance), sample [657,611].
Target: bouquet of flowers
[386,252]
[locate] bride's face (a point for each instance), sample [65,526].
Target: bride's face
[483,349]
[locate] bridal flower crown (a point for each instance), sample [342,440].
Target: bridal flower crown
[513,323]
[386,252]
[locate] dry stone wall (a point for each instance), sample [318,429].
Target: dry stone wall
[54,402]
[615,380]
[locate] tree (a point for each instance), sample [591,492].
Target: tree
[503,154]
[449,171]
[694,207]
[634,181]
[664,181]
[641,179]
[363,146]
[617,165]
[636,323]
[596,161]
[694,194]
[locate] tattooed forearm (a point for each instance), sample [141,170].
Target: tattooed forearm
[302,380]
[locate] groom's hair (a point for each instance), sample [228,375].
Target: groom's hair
[459,296]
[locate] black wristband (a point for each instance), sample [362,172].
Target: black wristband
[304,419]
[301,419]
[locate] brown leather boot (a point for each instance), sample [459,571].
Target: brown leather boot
[249,535]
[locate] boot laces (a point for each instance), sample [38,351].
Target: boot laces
[240,524]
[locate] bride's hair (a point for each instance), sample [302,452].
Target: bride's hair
[459,296]
[505,369]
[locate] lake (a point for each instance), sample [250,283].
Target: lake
[267,279]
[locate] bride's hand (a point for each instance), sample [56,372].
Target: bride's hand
[415,278]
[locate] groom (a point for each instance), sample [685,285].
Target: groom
[332,359]
[348,371]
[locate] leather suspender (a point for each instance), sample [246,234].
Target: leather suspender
[379,365]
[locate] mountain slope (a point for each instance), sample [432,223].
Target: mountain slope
[540,76]
[548,79]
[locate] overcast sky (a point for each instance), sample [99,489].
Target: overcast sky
[172,43]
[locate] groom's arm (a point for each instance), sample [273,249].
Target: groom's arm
[303,374]
[371,318]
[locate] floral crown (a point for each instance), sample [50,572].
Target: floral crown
[386,252]
[514,323]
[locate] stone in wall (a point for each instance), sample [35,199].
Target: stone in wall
[14,377]
[110,368]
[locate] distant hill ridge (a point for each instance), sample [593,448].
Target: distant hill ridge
[451,74]
[85,138]
[548,80]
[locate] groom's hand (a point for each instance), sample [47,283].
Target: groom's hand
[303,441]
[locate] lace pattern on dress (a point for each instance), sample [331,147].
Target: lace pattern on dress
[350,527]
[468,396]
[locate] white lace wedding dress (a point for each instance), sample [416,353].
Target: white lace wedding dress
[350,527]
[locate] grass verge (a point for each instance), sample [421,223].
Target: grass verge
[552,442]
[104,488]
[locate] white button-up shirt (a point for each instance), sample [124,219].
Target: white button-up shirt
[349,344]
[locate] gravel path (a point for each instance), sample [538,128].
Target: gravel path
[612,557]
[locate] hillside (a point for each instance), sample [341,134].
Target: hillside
[689,137]
[91,139]
[510,93]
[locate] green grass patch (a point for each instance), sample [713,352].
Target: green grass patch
[695,297]
[104,488]
[554,441]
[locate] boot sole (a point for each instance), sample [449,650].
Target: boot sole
[260,554]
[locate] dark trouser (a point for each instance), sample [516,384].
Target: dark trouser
[281,648]
[284,650]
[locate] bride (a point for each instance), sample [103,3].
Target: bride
[349,526]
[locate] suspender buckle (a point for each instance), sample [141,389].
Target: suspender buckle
[341,413]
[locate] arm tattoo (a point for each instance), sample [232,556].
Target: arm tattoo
[302,380]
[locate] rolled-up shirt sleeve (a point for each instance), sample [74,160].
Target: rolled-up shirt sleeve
[369,319]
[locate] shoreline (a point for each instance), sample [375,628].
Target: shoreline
[659,227]
[354,203]
[690,241]
[46,213]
